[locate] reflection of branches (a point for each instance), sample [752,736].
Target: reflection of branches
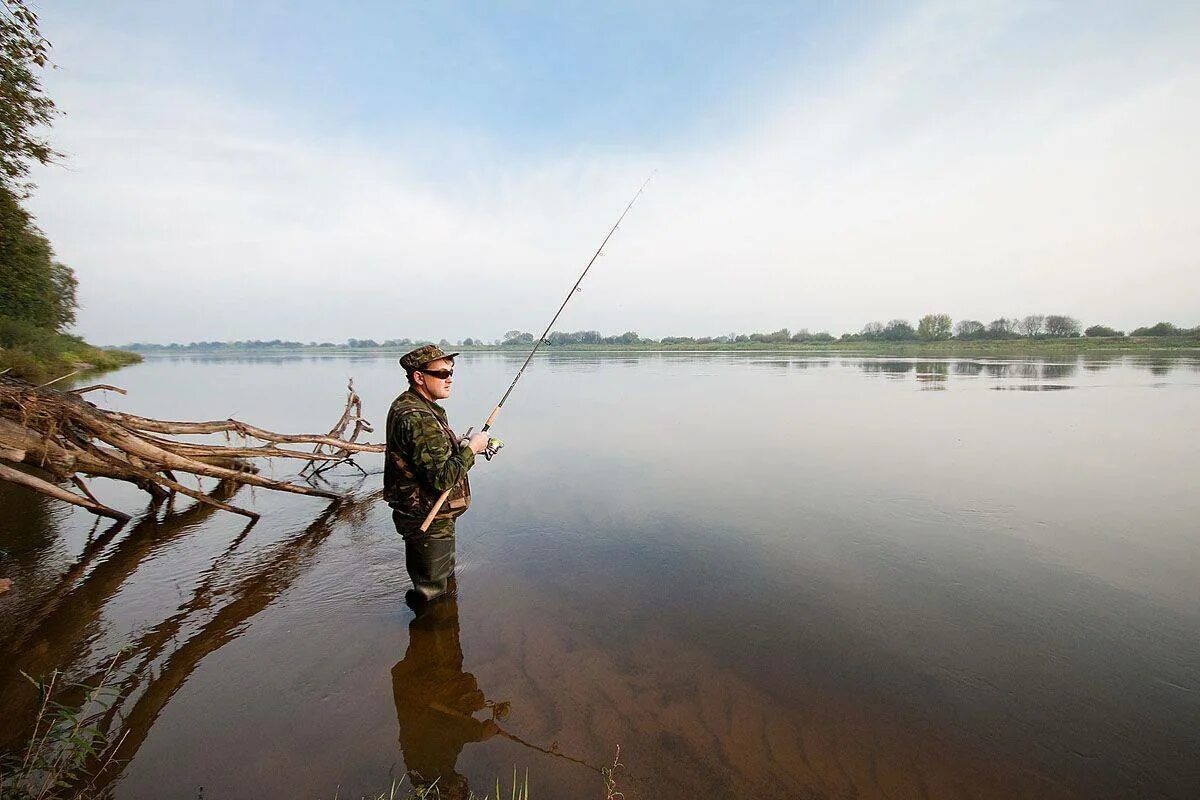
[273,575]
[59,626]
[70,607]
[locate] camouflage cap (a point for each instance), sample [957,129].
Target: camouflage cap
[422,356]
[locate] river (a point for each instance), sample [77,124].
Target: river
[761,575]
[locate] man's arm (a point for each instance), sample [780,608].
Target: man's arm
[434,461]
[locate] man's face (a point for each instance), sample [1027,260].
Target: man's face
[435,386]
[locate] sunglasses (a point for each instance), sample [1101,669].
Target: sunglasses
[441,374]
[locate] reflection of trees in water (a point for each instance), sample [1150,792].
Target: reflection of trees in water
[968,369]
[892,369]
[996,369]
[31,552]
[1164,364]
[932,374]
[1027,370]
[1158,366]
[30,529]
[1056,372]
[150,678]
[1035,387]
[1099,362]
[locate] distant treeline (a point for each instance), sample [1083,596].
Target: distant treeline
[940,327]
[930,328]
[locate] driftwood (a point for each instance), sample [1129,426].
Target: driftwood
[58,437]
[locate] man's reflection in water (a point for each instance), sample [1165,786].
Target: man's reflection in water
[436,700]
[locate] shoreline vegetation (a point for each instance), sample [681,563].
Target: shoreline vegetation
[40,354]
[949,348]
[896,338]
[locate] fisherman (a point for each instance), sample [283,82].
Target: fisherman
[425,458]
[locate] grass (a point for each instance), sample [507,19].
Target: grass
[62,758]
[39,355]
[518,791]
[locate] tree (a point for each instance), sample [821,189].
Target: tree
[24,109]
[1102,330]
[969,329]
[934,327]
[1159,329]
[1002,328]
[899,330]
[1062,326]
[1032,324]
[781,335]
[872,330]
[34,287]
[517,337]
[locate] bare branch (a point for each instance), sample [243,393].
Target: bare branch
[58,493]
[59,432]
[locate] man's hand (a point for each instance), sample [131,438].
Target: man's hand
[478,443]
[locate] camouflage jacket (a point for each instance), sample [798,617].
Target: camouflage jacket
[424,459]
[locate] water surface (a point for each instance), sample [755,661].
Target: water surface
[761,575]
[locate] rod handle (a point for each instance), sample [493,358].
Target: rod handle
[433,511]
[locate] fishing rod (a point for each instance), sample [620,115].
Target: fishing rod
[541,340]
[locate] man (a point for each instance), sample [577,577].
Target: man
[424,458]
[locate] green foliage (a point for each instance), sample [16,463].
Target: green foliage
[1062,327]
[517,337]
[802,336]
[970,329]
[775,337]
[24,109]
[33,286]
[1101,331]
[934,327]
[37,354]
[1003,328]
[65,749]
[899,330]
[1158,329]
[896,333]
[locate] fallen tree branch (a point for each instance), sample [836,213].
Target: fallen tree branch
[98,387]
[66,436]
[235,426]
[58,493]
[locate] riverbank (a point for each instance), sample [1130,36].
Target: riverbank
[997,348]
[39,355]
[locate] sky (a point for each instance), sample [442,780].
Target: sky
[318,172]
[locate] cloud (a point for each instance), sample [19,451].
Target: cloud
[982,160]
